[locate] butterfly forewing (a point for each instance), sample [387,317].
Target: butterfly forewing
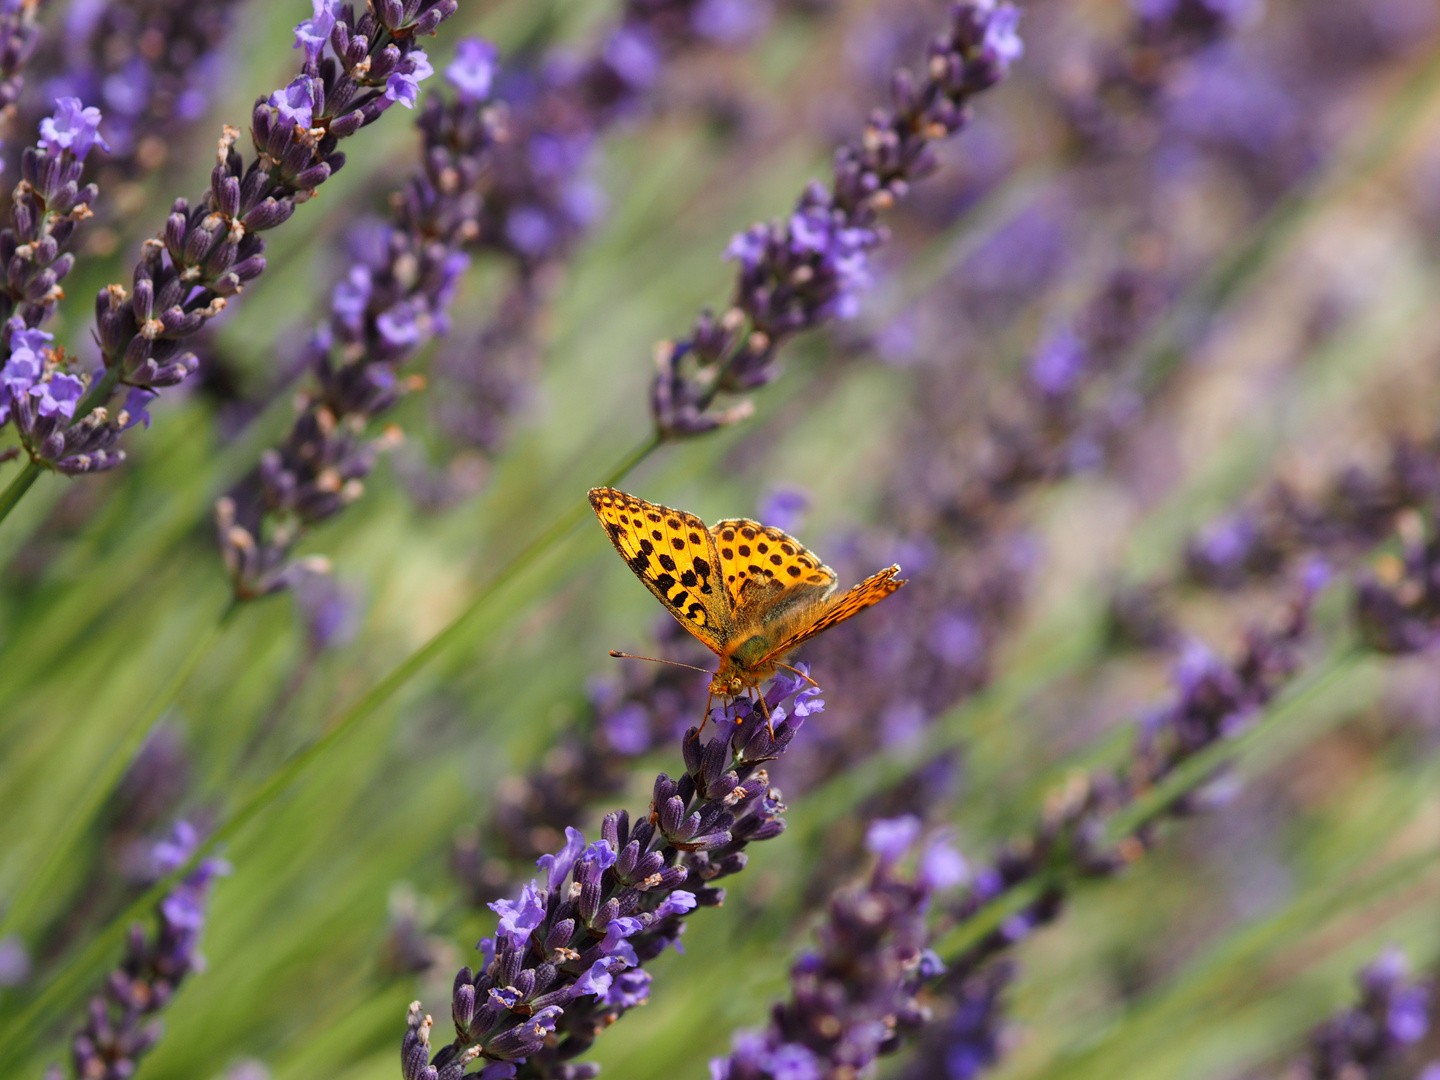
[673,554]
[750,551]
[869,592]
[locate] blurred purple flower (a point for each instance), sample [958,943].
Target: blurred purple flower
[473,70]
[784,508]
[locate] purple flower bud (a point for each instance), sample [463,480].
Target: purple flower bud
[677,903]
[1002,45]
[941,867]
[518,918]
[136,409]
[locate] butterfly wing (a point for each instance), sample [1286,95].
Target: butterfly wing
[781,568]
[673,554]
[829,613]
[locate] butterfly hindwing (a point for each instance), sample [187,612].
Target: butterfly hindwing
[825,615]
[750,551]
[673,554]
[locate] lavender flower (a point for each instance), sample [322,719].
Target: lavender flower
[1397,604]
[211,251]
[646,707]
[39,389]
[810,269]
[150,65]
[1355,511]
[1361,1041]
[567,957]
[121,1024]
[1215,701]
[853,999]
[388,306]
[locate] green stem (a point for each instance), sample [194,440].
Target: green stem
[34,892]
[18,487]
[70,980]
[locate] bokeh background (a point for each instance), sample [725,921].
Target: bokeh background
[1268,228]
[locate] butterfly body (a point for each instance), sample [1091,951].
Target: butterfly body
[750,593]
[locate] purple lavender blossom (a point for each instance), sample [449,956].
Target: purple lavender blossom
[1390,1017]
[151,66]
[207,253]
[393,301]
[567,959]
[812,267]
[122,1025]
[851,999]
[473,69]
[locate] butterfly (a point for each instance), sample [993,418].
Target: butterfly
[748,592]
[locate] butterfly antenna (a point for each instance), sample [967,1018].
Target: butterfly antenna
[797,671]
[653,660]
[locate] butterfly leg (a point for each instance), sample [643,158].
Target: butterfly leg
[706,718]
[760,698]
[802,675]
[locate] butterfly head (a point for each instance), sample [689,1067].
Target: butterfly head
[727,684]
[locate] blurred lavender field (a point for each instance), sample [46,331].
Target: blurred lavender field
[1112,322]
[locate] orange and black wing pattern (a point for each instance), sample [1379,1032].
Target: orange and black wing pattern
[833,612]
[673,554]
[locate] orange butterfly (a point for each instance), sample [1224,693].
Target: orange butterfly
[750,593]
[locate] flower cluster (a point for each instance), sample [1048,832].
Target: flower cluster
[852,1000]
[394,298]
[810,268]
[1357,509]
[209,252]
[1397,603]
[151,65]
[541,199]
[567,958]
[1392,1015]
[39,388]
[1215,701]
[648,706]
[120,1026]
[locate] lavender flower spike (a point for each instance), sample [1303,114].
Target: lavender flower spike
[811,268]
[391,303]
[568,956]
[209,252]
[40,389]
[1393,1014]
[120,1026]
[853,999]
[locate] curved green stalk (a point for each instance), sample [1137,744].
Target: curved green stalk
[17,488]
